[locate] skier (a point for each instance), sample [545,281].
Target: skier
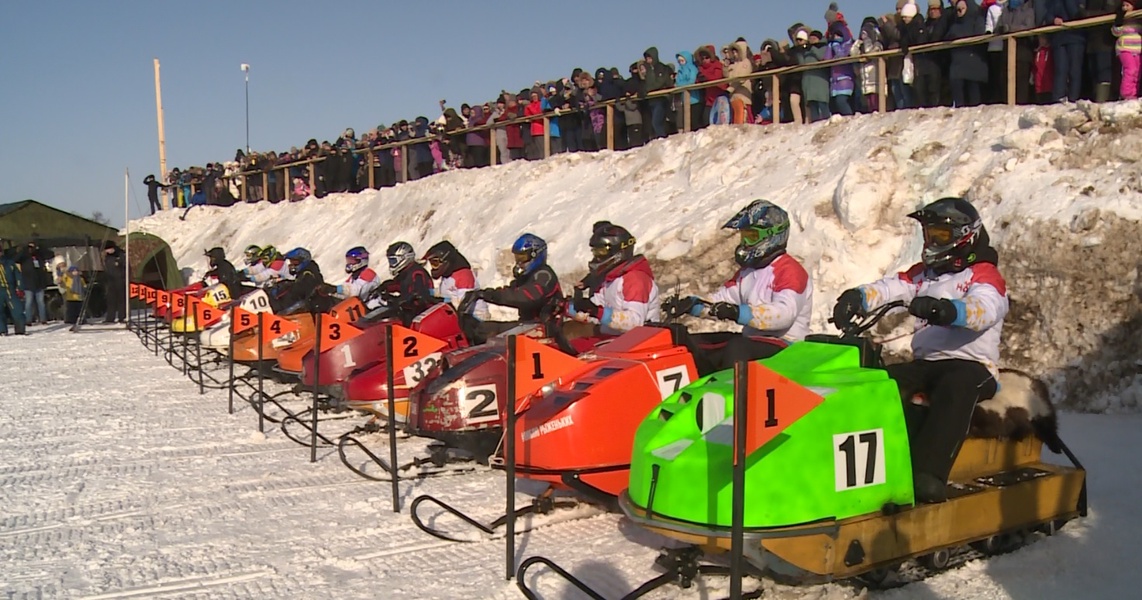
[534,291]
[619,291]
[771,295]
[410,287]
[362,280]
[11,294]
[960,299]
[306,281]
[115,274]
[224,272]
[455,275]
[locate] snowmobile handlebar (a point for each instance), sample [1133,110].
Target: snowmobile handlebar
[866,320]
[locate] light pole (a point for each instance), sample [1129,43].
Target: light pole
[246,70]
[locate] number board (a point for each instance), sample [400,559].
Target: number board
[478,404]
[858,459]
[672,379]
[417,371]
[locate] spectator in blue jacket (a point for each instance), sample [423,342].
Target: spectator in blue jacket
[687,74]
[1067,47]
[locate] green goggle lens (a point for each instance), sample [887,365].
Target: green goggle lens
[755,235]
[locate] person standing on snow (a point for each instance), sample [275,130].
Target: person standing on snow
[771,295]
[455,275]
[153,187]
[73,287]
[619,292]
[362,280]
[960,298]
[115,273]
[11,294]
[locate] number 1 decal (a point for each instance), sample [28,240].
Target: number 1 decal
[858,459]
[538,373]
[347,356]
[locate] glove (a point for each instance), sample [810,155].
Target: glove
[676,307]
[587,307]
[936,311]
[339,290]
[725,311]
[849,304]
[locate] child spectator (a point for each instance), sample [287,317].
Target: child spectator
[632,112]
[1043,70]
[73,287]
[1129,49]
[869,43]
[841,87]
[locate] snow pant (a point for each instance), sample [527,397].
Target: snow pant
[996,78]
[818,111]
[570,135]
[34,299]
[795,108]
[658,107]
[116,303]
[155,204]
[71,316]
[936,432]
[1100,64]
[503,153]
[965,93]
[740,111]
[634,136]
[11,310]
[902,94]
[925,90]
[1068,70]
[842,105]
[871,103]
[1131,63]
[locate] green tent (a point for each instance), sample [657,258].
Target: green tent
[152,262]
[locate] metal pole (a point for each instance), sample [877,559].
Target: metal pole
[392,417]
[185,362]
[156,321]
[316,379]
[231,355]
[509,461]
[198,358]
[246,70]
[261,395]
[127,226]
[162,137]
[737,491]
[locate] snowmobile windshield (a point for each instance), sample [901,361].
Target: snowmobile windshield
[938,234]
[753,236]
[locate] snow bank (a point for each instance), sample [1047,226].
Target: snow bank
[1060,189]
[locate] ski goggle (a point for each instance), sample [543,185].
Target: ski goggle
[394,261]
[352,260]
[522,258]
[755,235]
[601,251]
[435,262]
[938,234]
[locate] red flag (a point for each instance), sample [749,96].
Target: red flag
[537,365]
[244,320]
[206,315]
[775,403]
[276,327]
[133,290]
[334,332]
[164,299]
[348,310]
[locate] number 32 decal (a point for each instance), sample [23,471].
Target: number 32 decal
[417,371]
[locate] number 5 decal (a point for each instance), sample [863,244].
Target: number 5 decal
[671,380]
[478,404]
[858,459]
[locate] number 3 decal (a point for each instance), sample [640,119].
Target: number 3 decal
[671,380]
[858,459]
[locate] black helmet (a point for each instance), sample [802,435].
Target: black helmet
[216,254]
[400,256]
[439,258]
[952,231]
[611,246]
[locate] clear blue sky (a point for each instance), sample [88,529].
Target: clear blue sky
[77,101]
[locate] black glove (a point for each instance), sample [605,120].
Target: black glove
[676,307]
[585,306]
[936,311]
[725,311]
[469,301]
[849,304]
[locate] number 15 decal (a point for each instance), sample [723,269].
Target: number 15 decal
[672,379]
[858,459]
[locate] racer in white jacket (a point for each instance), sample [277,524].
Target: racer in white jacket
[362,280]
[960,299]
[455,276]
[771,295]
[270,268]
[619,292]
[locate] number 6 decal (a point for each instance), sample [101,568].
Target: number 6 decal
[478,404]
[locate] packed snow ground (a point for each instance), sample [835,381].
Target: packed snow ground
[118,480]
[1059,187]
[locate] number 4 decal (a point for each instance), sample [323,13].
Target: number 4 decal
[671,380]
[858,459]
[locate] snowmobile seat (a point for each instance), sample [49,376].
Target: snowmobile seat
[869,351]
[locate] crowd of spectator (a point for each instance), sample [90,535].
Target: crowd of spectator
[1100,63]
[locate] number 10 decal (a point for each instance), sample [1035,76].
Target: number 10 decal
[858,459]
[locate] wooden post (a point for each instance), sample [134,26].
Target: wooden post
[687,126]
[404,163]
[162,137]
[265,185]
[775,97]
[369,166]
[1011,79]
[243,195]
[881,86]
[492,146]
[312,177]
[546,136]
[611,126]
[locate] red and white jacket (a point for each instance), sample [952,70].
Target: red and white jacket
[262,274]
[452,288]
[775,301]
[359,284]
[980,296]
[629,298]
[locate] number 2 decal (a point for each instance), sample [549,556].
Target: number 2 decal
[410,347]
[858,459]
[672,379]
[478,404]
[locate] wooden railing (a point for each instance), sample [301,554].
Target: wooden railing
[774,75]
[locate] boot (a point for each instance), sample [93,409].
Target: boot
[929,488]
[1102,92]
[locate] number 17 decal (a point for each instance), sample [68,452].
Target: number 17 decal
[858,459]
